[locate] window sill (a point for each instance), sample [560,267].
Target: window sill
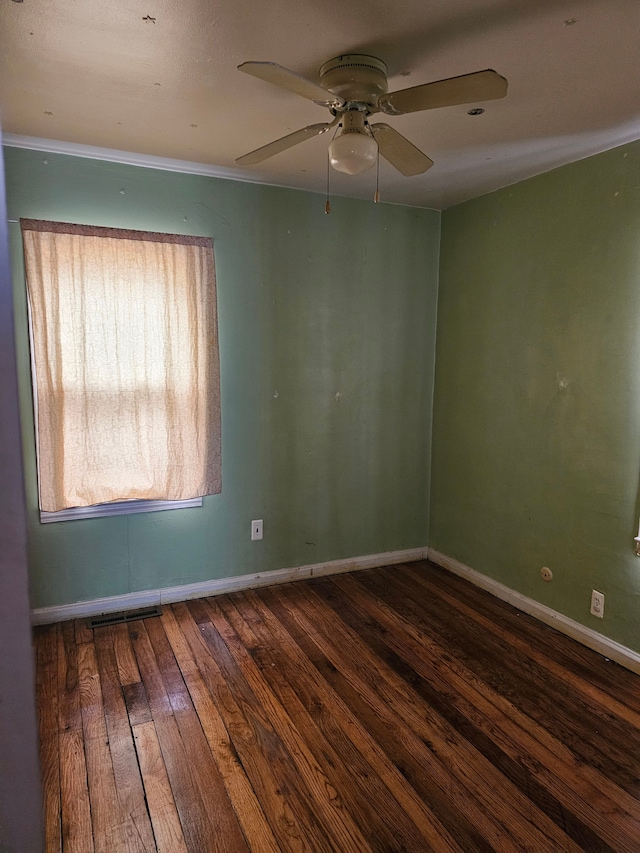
[117,508]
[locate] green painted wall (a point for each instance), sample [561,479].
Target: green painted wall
[327,328]
[536,435]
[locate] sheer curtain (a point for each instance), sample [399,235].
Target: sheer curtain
[125,354]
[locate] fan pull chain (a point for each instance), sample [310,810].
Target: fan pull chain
[327,204]
[376,195]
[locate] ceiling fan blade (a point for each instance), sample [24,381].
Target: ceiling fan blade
[283,143]
[401,153]
[469,88]
[276,74]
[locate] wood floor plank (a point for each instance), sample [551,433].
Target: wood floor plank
[367,731]
[601,700]
[621,731]
[162,808]
[448,758]
[69,715]
[135,698]
[220,812]
[256,747]
[395,649]
[330,761]
[391,710]
[83,633]
[126,772]
[518,734]
[446,799]
[77,827]
[252,819]
[128,671]
[200,832]
[592,667]
[268,743]
[309,749]
[113,829]
[46,638]
[540,694]
[342,830]
[385,818]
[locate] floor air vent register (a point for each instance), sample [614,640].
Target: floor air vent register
[123,616]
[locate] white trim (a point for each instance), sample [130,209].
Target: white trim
[592,639]
[95,607]
[149,161]
[76,513]
[129,158]
[133,600]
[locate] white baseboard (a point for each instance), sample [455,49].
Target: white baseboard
[167,595]
[592,639]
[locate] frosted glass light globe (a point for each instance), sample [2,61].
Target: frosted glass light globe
[353,152]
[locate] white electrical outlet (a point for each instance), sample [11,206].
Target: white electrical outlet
[256,529]
[597,603]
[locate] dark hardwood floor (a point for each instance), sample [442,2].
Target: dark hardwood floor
[396,709]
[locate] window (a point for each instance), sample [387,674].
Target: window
[125,358]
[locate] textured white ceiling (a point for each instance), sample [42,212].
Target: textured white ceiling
[158,77]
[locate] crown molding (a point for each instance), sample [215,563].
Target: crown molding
[129,158]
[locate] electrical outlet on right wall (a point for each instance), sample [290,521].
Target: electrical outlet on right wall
[597,603]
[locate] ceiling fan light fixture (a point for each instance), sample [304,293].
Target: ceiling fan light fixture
[353,153]
[354,150]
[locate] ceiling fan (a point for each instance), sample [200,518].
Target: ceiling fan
[354,87]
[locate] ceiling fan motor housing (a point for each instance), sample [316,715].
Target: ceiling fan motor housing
[352,87]
[355,77]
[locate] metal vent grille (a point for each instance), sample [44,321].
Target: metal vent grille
[123,616]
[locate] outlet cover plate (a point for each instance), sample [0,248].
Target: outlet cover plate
[597,603]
